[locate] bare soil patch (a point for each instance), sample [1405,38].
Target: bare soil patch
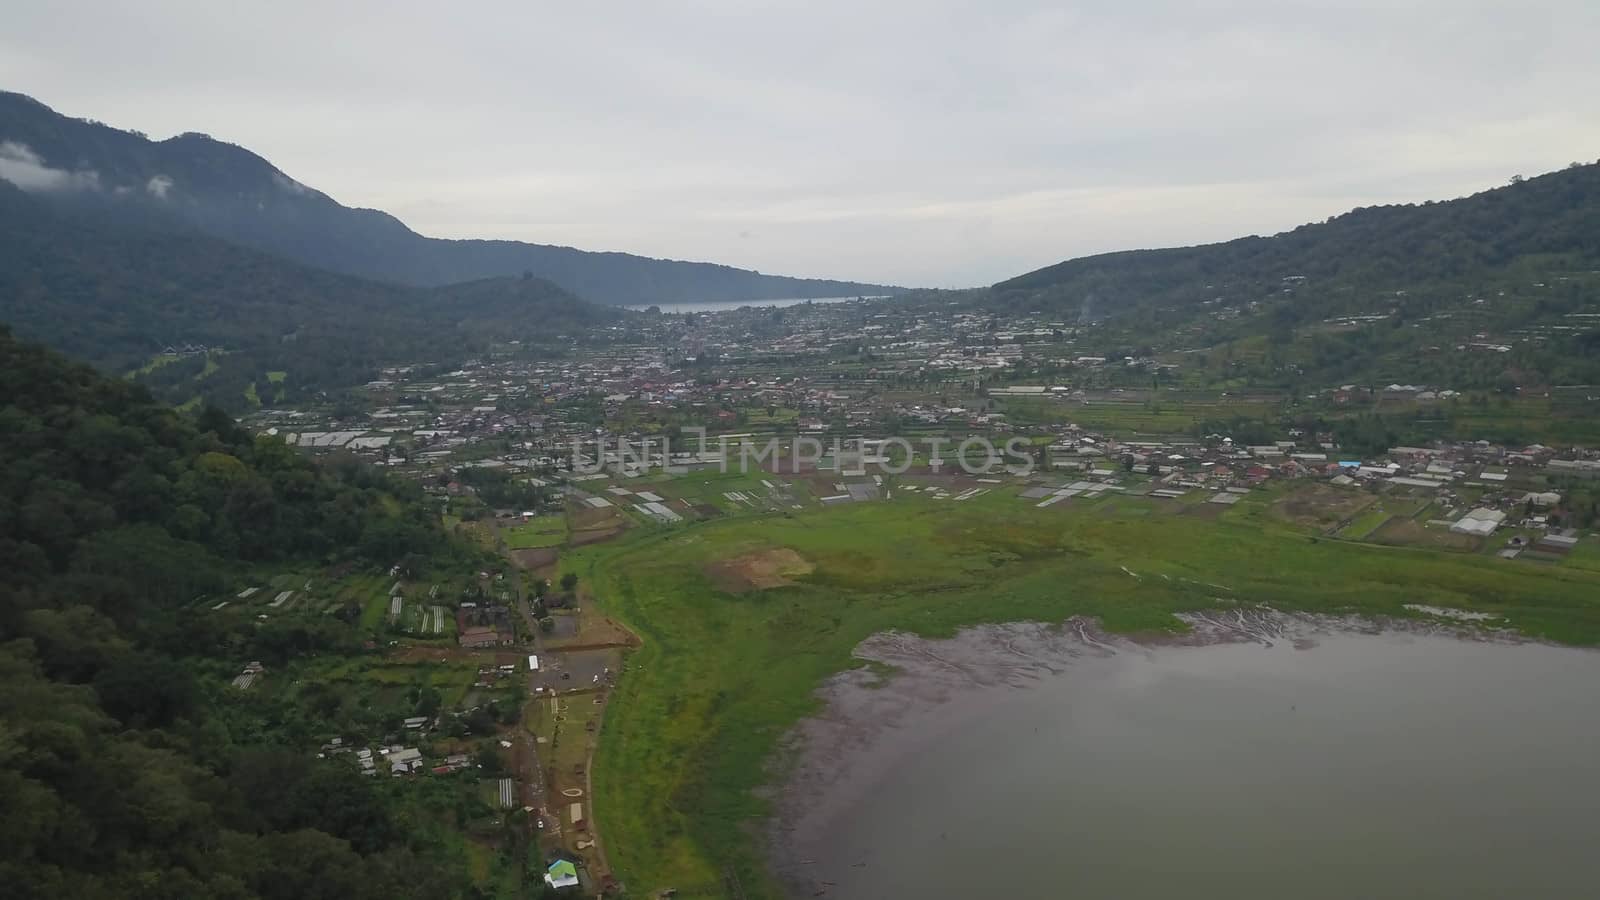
[1410,532]
[534,558]
[759,570]
[1321,506]
[593,629]
[586,518]
[580,538]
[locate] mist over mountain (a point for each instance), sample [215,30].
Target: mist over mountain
[229,192]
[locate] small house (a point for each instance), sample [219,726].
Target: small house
[561,874]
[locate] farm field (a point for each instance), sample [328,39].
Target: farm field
[743,618]
[1566,418]
[1162,415]
[543,531]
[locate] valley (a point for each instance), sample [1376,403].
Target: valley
[344,561]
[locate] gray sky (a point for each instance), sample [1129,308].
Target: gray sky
[924,142]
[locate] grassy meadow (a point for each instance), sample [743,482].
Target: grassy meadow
[743,618]
[542,531]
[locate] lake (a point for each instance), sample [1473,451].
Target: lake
[721,305]
[1294,757]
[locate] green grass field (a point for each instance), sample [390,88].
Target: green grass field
[722,676]
[543,531]
[1165,413]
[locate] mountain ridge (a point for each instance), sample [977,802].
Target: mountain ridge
[1396,293]
[117,295]
[231,192]
[1559,213]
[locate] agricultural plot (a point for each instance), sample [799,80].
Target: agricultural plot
[1160,415]
[537,533]
[273,595]
[710,493]
[659,512]
[387,686]
[1400,520]
[1373,518]
[583,517]
[1321,506]
[370,593]
[1406,531]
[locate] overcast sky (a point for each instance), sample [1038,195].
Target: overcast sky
[920,142]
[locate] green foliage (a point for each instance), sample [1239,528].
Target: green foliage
[1393,293]
[1557,213]
[123,773]
[502,490]
[119,293]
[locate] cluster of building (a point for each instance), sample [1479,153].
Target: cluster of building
[396,759]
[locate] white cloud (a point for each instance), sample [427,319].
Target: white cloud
[289,184]
[158,185]
[23,168]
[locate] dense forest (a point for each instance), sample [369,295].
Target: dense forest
[1498,290]
[118,294]
[228,192]
[1554,215]
[123,772]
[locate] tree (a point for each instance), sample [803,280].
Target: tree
[488,760]
[144,691]
[569,581]
[121,769]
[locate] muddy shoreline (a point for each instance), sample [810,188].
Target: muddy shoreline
[915,689]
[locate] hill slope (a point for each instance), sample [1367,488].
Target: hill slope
[231,193]
[129,770]
[117,295]
[1498,289]
[1555,215]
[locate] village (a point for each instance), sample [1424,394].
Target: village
[510,436]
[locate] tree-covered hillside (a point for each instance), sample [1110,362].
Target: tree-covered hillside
[1555,215]
[123,772]
[1501,288]
[119,294]
[228,192]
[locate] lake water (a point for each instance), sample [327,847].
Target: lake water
[720,305]
[1310,763]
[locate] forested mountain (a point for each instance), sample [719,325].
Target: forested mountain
[1499,289]
[1556,216]
[126,770]
[231,193]
[118,294]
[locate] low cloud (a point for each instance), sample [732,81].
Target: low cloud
[24,168]
[289,184]
[158,186]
